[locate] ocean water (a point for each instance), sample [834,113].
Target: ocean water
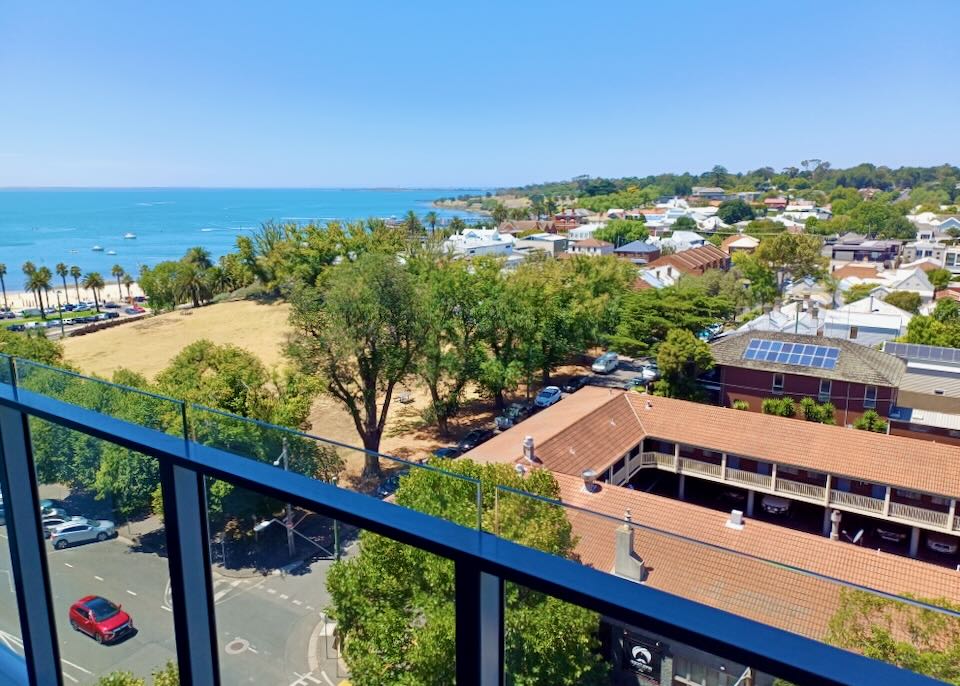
[47,226]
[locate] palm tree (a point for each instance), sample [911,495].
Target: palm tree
[3,285]
[412,224]
[191,281]
[198,256]
[431,218]
[29,268]
[94,282]
[128,281]
[117,271]
[76,274]
[44,275]
[32,284]
[62,271]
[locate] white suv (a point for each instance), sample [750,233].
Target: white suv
[81,531]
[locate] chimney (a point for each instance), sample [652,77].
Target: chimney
[528,453]
[590,481]
[815,311]
[806,302]
[736,520]
[835,525]
[626,562]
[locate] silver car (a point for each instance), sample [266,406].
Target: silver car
[81,531]
[52,521]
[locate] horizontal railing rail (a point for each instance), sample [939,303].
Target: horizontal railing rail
[693,466]
[749,478]
[477,554]
[799,488]
[918,514]
[856,501]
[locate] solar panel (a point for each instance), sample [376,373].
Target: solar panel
[922,353]
[798,354]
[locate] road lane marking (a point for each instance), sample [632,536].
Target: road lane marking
[310,607]
[73,679]
[284,596]
[76,666]
[271,591]
[297,602]
[67,564]
[218,595]
[164,607]
[326,678]
[131,592]
[98,578]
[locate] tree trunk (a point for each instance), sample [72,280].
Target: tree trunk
[498,400]
[371,463]
[76,284]
[66,293]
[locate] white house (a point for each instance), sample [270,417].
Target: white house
[887,282]
[591,246]
[480,242]
[680,240]
[867,321]
[583,231]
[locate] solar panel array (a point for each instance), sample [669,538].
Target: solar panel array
[800,354]
[922,353]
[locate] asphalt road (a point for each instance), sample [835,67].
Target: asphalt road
[271,628]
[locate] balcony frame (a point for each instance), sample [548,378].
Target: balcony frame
[483,561]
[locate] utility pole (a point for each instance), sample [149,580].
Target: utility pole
[60,312]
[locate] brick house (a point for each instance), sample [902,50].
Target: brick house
[756,365]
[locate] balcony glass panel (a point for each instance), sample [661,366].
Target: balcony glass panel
[326,602]
[11,642]
[106,551]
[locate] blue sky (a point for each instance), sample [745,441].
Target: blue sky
[252,93]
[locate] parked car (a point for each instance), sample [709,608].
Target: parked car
[111,315]
[938,543]
[8,315]
[390,485]
[447,453]
[81,531]
[136,309]
[16,327]
[775,505]
[547,397]
[514,414]
[890,534]
[635,382]
[111,306]
[574,383]
[650,372]
[100,619]
[52,521]
[606,363]
[474,438]
[47,505]
[732,497]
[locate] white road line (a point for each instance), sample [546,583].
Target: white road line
[73,679]
[271,591]
[98,578]
[131,592]
[67,564]
[252,650]
[166,608]
[297,602]
[235,583]
[310,607]
[284,596]
[218,595]
[326,678]
[76,666]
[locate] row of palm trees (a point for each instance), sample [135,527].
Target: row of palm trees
[38,282]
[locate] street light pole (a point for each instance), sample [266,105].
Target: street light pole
[289,518]
[60,312]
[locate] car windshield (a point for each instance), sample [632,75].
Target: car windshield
[102,609]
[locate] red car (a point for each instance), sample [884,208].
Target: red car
[99,618]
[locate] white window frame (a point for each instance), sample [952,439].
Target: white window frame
[824,395]
[868,402]
[776,389]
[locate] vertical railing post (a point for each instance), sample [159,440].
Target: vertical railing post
[28,553]
[479,626]
[191,589]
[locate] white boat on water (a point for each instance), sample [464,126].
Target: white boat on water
[97,248]
[111,252]
[129,236]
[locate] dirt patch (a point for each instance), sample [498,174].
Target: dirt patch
[149,346]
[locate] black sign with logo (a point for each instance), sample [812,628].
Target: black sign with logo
[643,656]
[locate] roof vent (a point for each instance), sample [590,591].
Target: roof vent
[736,520]
[590,481]
[520,469]
[649,405]
[528,453]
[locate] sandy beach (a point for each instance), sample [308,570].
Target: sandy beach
[18,300]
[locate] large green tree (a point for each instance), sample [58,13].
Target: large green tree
[394,603]
[794,255]
[622,231]
[908,301]
[358,331]
[681,358]
[733,211]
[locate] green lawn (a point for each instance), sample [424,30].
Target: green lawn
[56,317]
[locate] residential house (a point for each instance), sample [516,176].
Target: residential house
[694,261]
[928,401]
[756,365]
[868,321]
[515,227]
[591,246]
[740,243]
[473,241]
[551,243]
[789,318]
[862,271]
[890,280]
[747,196]
[712,224]
[930,233]
[918,250]
[779,203]
[583,231]
[679,241]
[640,252]
[866,250]
[566,221]
[708,193]
[949,222]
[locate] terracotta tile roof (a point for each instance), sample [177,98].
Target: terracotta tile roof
[605,424]
[857,363]
[893,460]
[864,271]
[593,243]
[507,446]
[694,260]
[691,553]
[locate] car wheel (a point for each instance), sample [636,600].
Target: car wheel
[98,637]
[60,545]
[102,536]
[74,625]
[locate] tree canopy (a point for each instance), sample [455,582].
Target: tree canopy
[681,358]
[622,231]
[394,604]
